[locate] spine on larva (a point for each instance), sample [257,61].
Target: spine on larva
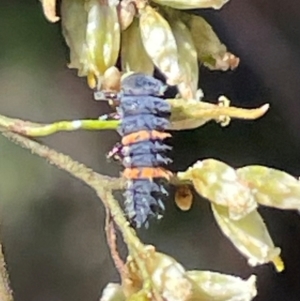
[145,117]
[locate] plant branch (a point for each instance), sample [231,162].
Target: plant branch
[182,110]
[102,185]
[111,240]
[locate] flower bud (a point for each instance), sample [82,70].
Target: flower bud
[271,187]
[220,184]
[188,61]
[133,55]
[160,44]
[250,236]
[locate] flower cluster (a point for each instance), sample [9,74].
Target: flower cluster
[235,196]
[170,281]
[147,34]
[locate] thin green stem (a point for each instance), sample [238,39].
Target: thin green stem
[32,129]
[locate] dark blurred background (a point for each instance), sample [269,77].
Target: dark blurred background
[52,224]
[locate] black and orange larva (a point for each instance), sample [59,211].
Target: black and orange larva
[144,118]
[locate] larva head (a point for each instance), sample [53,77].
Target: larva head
[142,84]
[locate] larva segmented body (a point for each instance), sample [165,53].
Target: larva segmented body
[144,117]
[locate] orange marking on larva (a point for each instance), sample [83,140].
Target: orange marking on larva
[146,173]
[131,173]
[144,135]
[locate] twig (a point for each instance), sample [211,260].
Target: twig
[103,187]
[111,240]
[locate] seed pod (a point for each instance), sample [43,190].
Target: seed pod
[160,44]
[192,4]
[133,55]
[188,61]
[102,38]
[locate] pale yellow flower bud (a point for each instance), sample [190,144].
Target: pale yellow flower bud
[92,32]
[271,187]
[74,20]
[133,55]
[102,37]
[250,236]
[188,61]
[160,44]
